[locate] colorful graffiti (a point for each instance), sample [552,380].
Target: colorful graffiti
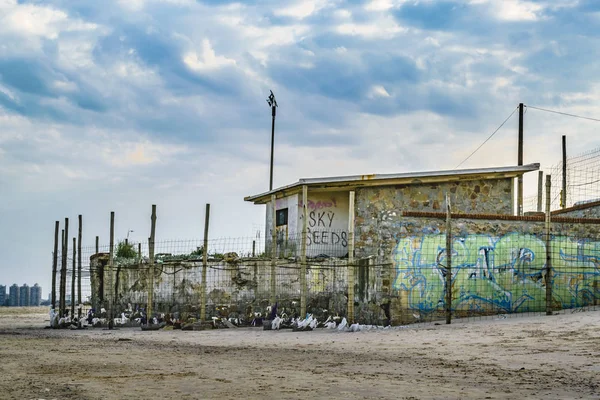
[503,274]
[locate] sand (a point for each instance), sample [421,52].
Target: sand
[556,357]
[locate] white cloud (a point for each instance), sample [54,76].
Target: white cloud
[378,91]
[33,20]
[513,10]
[207,60]
[379,5]
[378,29]
[301,9]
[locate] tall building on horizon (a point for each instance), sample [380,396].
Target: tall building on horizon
[35,295]
[24,295]
[13,296]
[3,298]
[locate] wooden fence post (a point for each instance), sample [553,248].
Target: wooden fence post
[204,265]
[73,278]
[110,271]
[97,244]
[273,291]
[79,299]
[303,287]
[54,264]
[548,248]
[448,262]
[351,268]
[63,271]
[151,266]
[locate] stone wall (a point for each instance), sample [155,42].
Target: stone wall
[591,210]
[498,265]
[378,210]
[237,288]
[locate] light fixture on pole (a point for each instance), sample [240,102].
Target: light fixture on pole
[273,104]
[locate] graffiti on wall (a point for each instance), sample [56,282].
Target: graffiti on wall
[504,273]
[321,227]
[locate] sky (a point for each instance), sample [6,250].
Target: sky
[117,105]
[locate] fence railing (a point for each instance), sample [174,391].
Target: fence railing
[490,276]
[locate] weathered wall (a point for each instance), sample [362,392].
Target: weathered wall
[591,210]
[378,221]
[238,288]
[327,224]
[497,266]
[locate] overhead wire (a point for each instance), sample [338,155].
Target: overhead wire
[489,137]
[564,113]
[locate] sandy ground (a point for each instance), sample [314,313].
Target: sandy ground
[519,358]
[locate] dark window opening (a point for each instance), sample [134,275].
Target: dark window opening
[282,217]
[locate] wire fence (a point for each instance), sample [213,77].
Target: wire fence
[514,274]
[583,182]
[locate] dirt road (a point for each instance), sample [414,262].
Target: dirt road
[518,358]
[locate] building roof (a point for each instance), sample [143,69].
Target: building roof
[407,178]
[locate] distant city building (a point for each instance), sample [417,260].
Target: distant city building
[35,295]
[3,298]
[24,295]
[13,296]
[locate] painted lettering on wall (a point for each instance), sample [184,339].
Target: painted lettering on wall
[318,205]
[320,219]
[325,237]
[504,273]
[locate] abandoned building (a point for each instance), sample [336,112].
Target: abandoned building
[379,201]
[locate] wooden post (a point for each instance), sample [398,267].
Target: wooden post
[273,291]
[548,248]
[303,287]
[151,266]
[126,242]
[79,299]
[140,250]
[111,249]
[63,272]
[351,268]
[204,265]
[540,190]
[563,197]
[73,278]
[520,162]
[54,265]
[253,248]
[97,244]
[448,262]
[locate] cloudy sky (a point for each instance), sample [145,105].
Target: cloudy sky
[118,105]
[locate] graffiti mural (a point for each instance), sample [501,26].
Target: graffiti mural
[497,274]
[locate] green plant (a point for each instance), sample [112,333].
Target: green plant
[125,250]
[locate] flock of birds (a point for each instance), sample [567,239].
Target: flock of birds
[271,321]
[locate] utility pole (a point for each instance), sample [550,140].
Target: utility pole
[563,194]
[520,162]
[273,104]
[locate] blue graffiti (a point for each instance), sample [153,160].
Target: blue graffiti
[496,274]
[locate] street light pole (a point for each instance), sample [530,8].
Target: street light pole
[273,104]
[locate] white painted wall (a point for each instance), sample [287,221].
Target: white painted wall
[327,222]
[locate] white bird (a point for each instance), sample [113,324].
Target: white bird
[330,325]
[354,327]
[275,323]
[342,324]
[313,323]
[305,322]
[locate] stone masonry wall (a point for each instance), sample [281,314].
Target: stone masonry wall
[498,265]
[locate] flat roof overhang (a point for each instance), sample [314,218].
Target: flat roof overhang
[347,183]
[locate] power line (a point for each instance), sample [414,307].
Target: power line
[486,140]
[564,113]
